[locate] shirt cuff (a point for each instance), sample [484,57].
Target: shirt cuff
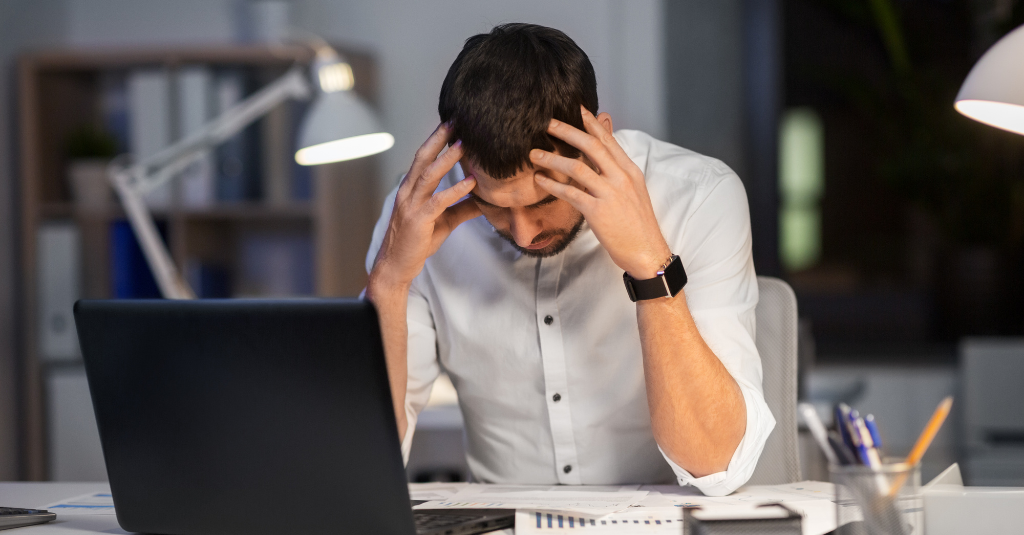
[760,423]
[410,430]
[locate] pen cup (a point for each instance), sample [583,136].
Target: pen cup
[883,501]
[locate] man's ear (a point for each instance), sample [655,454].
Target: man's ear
[606,121]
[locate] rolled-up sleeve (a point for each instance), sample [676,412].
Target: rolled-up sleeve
[713,238]
[423,367]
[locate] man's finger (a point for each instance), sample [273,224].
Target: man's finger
[426,154]
[459,213]
[590,145]
[576,169]
[444,199]
[578,198]
[428,180]
[596,129]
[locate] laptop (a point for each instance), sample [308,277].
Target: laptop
[223,417]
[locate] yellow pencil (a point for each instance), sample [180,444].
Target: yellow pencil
[925,440]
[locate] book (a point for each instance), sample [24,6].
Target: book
[130,276]
[195,109]
[237,174]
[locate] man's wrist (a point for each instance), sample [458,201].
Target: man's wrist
[380,287]
[648,267]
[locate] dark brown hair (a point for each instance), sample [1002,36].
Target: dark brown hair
[505,87]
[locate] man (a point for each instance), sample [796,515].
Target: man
[561,377]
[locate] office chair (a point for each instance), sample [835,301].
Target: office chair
[776,341]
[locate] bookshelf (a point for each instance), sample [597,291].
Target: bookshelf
[61,91]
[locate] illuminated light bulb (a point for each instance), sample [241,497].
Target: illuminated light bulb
[1002,115]
[336,77]
[345,149]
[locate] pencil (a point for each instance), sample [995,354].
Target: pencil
[930,431]
[925,440]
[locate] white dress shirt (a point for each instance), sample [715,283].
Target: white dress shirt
[545,353]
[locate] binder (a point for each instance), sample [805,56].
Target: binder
[149,95]
[59,263]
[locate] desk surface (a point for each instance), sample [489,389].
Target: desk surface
[33,495]
[40,494]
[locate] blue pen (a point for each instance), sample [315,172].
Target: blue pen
[869,421]
[858,442]
[869,454]
[842,424]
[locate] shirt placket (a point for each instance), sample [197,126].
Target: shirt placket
[555,376]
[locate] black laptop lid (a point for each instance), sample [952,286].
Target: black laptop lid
[245,416]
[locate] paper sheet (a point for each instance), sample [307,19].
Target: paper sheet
[434,491]
[653,520]
[588,500]
[813,499]
[87,504]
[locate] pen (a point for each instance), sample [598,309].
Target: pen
[869,453]
[859,447]
[843,425]
[876,438]
[818,431]
[846,456]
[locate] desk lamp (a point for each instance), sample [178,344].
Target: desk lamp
[993,92]
[338,126]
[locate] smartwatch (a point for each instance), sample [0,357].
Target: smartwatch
[670,280]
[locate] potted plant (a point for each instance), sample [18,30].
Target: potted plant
[89,151]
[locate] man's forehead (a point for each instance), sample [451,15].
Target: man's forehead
[514,192]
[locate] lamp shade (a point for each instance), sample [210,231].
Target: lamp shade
[339,126]
[993,92]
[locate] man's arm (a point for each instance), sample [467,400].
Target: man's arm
[697,410]
[698,414]
[420,222]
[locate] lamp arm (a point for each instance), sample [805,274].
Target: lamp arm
[134,181]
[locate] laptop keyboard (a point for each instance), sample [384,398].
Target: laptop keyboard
[427,521]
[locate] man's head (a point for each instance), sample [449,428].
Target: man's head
[499,96]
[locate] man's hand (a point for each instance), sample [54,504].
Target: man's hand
[698,415]
[615,203]
[422,220]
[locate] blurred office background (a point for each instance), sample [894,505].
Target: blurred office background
[898,222]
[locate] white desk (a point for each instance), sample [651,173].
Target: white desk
[34,495]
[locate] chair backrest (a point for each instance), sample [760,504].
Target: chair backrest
[776,340]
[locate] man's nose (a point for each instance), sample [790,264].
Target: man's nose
[524,228]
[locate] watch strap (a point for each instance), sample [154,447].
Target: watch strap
[669,281]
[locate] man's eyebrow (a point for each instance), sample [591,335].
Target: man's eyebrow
[546,200]
[477,198]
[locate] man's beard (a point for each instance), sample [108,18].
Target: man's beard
[562,240]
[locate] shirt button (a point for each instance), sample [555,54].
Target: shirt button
[567,468]
[556,398]
[548,320]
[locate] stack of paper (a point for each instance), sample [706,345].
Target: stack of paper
[588,500]
[649,509]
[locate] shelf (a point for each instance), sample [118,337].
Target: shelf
[59,91]
[242,211]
